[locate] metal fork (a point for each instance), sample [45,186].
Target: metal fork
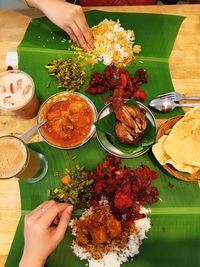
[177,97]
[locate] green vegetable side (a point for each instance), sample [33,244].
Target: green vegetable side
[76,189]
[68,72]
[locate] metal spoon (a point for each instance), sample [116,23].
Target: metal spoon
[31,131]
[165,105]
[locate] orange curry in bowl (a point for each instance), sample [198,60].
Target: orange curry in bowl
[69,120]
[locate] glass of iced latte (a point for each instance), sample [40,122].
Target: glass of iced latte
[17,94]
[18,160]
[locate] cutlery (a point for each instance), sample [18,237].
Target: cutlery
[177,96]
[165,105]
[31,131]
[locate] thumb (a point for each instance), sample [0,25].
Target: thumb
[63,223]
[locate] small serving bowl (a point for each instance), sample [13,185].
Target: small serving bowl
[165,128]
[60,97]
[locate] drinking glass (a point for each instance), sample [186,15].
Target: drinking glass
[18,160]
[17,94]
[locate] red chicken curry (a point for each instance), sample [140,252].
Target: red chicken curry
[69,121]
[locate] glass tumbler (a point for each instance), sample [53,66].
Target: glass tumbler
[18,160]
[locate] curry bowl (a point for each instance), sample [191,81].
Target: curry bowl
[70,120]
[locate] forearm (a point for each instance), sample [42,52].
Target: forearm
[40,4]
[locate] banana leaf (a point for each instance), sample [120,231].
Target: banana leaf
[175,234]
[43,41]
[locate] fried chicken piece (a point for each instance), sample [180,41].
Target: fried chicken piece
[131,124]
[82,239]
[125,134]
[99,235]
[113,227]
[132,117]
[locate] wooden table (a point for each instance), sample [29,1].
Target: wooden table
[184,67]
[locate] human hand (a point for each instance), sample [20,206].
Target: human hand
[44,228]
[68,17]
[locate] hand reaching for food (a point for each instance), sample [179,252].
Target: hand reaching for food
[68,17]
[44,228]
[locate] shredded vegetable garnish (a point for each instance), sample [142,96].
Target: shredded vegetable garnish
[77,191]
[68,72]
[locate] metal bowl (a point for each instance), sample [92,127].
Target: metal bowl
[61,97]
[106,144]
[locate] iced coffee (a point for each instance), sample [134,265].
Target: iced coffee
[17,94]
[17,160]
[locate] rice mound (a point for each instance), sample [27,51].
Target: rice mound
[112,45]
[116,257]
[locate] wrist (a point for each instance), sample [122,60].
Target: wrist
[31,260]
[41,4]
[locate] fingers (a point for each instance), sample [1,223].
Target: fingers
[50,214]
[71,19]
[72,35]
[84,28]
[78,29]
[80,36]
[37,212]
[63,223]
[85,36]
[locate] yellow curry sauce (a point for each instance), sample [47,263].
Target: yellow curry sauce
[69,121]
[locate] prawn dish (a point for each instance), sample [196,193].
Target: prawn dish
[69,121]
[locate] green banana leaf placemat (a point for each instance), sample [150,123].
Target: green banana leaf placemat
[175,234]
[43,41]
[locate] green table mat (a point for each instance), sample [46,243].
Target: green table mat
[43,41]
[175,234]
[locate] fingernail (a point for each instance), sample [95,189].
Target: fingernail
[90,47]
[70,209]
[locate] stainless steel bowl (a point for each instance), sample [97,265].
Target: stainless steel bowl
[61,97]
[105,143]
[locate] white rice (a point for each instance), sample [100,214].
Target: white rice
[112,44]
[116,257]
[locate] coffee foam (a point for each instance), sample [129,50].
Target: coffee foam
[16,89]
[12,157]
